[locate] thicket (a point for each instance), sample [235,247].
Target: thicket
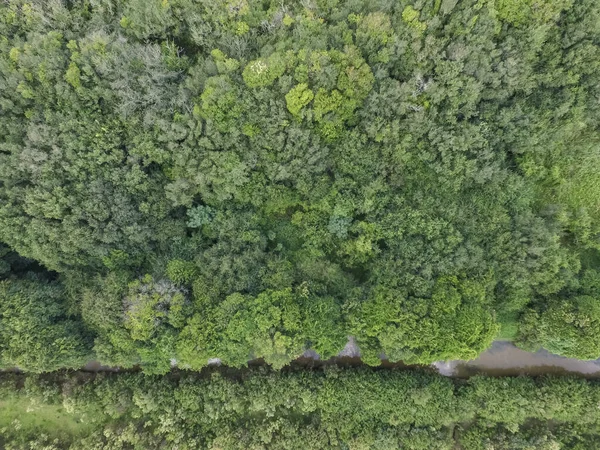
[192,179]
[349,409]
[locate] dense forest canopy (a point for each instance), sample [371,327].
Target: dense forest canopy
[183,180]
[308,410]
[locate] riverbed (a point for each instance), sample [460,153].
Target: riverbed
[503,358]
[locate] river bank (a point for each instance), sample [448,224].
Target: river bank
[503,358]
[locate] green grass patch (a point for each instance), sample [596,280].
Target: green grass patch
[20,416]
[509,326]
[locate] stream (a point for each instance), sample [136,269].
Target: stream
[503,358]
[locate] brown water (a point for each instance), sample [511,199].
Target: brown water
[505,359]
[95,366]
[502,359]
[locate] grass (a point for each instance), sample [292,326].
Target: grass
[20,416]
[509,327]
[581,183]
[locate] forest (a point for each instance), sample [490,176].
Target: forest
[183,180]
[249,180]
[309,410]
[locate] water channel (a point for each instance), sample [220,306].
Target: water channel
[502,359]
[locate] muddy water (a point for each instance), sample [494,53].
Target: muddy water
[95,366]
[501,359]
[504,359]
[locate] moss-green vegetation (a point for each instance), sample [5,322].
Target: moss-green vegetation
[35,410]
[18,417]
[183,180]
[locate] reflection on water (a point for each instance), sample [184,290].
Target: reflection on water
[504,359]
[95,366]
[501,359]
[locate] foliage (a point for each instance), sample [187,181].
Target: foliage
[567,325]
[36,331]
[193,179]
[276,325]
[298,98]
[453,323]
[322,409]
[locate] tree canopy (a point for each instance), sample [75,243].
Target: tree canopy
[239,179]
[334,408]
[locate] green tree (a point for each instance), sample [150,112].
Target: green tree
[37,333]
[455,322]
